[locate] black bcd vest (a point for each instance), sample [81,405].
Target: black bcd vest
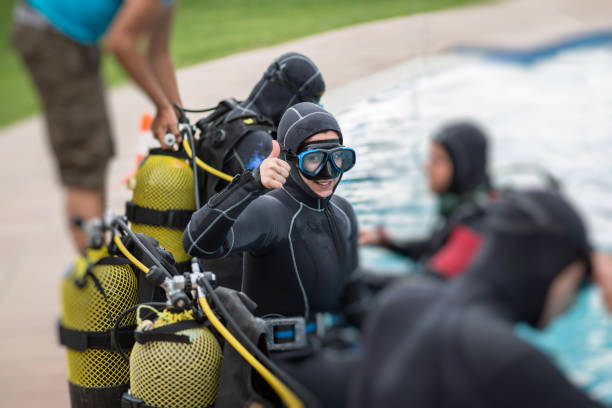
[218,135]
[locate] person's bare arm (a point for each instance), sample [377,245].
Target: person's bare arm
[135,20]
[602,271]
[159,55]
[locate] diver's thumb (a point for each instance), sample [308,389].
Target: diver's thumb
[275,149]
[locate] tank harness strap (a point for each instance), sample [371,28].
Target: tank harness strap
[167,333]
[219,136]
[114,260]
[176,219]
[83,340]
[158,151]
[130,401]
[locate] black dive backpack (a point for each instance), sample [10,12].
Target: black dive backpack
[218,135]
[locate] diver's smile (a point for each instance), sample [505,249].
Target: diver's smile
[324,183]
[322,188]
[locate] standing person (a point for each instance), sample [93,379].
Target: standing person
[247,130]
[457,172]
[58,42]
[427,345]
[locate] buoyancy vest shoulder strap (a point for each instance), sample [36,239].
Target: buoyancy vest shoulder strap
[220,135]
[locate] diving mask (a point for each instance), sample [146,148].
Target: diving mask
[324,160]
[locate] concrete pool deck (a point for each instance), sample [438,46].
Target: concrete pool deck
[355,62]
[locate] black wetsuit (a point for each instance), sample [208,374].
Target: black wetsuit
[299,251]
[291,78]
[300,254]
[432,345]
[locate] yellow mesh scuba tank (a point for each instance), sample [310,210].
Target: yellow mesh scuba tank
[163,201]
[94,293]
[175,363]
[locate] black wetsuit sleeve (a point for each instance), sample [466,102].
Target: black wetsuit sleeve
[533,381]
[223,226]
[411,249]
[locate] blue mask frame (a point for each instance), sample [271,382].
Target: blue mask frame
[335,170]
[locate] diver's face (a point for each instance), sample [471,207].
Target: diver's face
[325,187]
[439,169]
[562,292]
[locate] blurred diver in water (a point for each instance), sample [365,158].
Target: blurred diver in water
[457,172]
[428,345]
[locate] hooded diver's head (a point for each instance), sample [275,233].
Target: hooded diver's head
[458,159]
[312,143]
[290,79]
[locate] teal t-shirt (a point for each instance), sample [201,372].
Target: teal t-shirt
[84,21]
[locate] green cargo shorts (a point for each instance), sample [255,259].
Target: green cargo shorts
[67,77]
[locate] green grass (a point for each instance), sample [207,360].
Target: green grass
[208,29]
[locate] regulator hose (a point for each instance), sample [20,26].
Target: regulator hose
[204,166]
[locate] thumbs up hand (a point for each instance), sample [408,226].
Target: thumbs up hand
[273,172]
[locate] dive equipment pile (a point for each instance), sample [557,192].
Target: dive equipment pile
[175,354]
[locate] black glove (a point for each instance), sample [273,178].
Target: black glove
[152,245]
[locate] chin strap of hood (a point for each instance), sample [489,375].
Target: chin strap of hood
[290,79]
[466,145]
[530,237]
[300,122]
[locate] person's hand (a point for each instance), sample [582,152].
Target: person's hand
[602,272]
[165,122]
[370,237]
[273,172]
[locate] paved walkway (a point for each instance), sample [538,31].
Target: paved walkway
[34,247]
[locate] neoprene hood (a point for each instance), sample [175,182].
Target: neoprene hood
[302,121]
[290,79]
[466,144]
[299,123]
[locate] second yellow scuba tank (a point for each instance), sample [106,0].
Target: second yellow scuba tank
[163,201]
[175,362]
[94,293]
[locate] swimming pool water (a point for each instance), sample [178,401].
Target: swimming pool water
[555,113]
